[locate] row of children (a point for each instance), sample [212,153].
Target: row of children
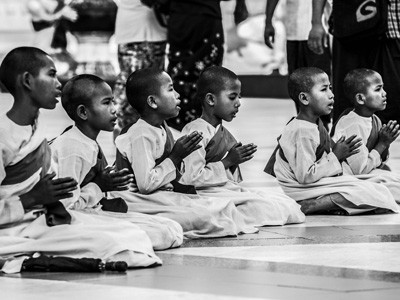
[159,189]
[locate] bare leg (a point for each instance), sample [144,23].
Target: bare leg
[324,204]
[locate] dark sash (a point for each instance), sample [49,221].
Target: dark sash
[324,146]
[169,144]
[344,113]
[374,135]
[107,204]
[29,165]
[221,143]
[56,213]
[100,165]
[122,162]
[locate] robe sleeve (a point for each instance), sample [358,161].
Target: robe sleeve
[197,171]
[77,167]
[149,176]
[304,164]
[364,161]
[11,209]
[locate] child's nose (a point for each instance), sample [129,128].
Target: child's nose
[113,109]
[58,84]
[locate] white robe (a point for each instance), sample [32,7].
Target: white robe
[200,217]
[365,164]
[74,154]
[22,232]
[302,177]
[212,179]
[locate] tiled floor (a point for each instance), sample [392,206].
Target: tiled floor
[328,257]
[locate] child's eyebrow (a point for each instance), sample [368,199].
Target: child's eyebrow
[108,98]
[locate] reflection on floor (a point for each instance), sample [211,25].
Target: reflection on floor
[328,257]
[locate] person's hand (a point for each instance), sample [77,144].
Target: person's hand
[388,133]
[184,146]
[269,35]
[317,39]
[110,179]
[49,190]
[132,187]
[345,148]
[239,154]
[69,13]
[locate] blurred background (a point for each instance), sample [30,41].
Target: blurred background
[245,51]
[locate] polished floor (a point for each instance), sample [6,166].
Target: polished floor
[328,257]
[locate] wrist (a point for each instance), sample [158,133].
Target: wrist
[316,23]
[380,147]
[176,160]
[227,164]
[27,201]
[340,159]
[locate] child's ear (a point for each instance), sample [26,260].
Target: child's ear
[303,98]
[81,112]
[360,99]
[210,99]
[151,101]
[26,79]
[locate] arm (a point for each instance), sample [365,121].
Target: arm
[364,161]
[269,31]
[303,162]
[144,150]
[77,167]
[11,209]
[318,37]
[39,13]
[197,171]
[74,158]
[202,174]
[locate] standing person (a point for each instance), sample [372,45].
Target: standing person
[379,51]
[141,44]
[298,25]
[47,21]
[196,39]
[32,219]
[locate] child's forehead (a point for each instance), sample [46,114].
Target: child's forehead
[48,64]
[164,78]
[374,79]
[100,91]
[321,79]
[230,84]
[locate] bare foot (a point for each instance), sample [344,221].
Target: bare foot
[382,211]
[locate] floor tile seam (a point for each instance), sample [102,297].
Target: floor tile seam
[291,241]
[142,290]
[270,266]
[373,290]
[288,239]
